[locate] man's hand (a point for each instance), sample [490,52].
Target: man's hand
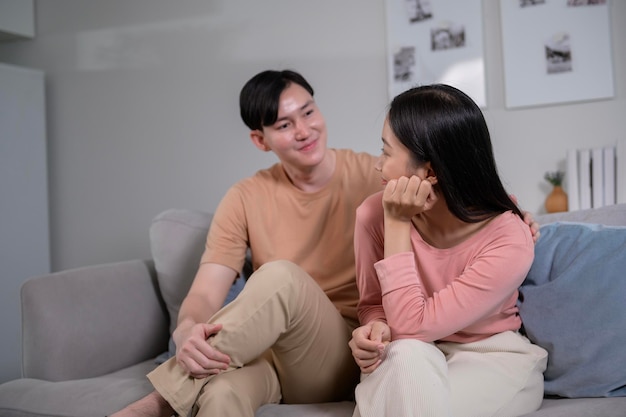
[194,352]
[368,345]
[534,226]
[529,220]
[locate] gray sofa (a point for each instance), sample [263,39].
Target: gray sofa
[91,334]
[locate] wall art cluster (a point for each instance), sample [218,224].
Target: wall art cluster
[554,51]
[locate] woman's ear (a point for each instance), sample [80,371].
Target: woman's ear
[258,138]
[430,174]
[432,179]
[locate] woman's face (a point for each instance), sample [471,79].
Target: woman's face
[395,160]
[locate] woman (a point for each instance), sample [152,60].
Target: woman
[440,254]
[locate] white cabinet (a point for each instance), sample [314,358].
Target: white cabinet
[17,19]
[24,230]
[24,224]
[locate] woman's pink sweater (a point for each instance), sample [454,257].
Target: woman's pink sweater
[459,294]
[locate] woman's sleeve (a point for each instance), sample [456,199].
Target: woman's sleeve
[488,282]
[368,249]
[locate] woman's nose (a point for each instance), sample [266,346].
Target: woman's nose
[378,166]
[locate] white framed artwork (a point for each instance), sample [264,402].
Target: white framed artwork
[556,51]
[435,41]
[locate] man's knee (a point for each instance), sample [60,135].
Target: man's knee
[280,272]
[280,267]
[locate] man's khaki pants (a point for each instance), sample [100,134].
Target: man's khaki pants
[286,340]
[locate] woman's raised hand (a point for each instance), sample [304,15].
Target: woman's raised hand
[405,197]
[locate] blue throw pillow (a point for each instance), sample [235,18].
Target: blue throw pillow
[573,304]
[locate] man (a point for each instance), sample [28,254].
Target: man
[285,337]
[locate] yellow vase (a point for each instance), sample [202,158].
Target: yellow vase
[556,200]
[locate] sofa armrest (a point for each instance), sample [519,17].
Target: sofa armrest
[91,321]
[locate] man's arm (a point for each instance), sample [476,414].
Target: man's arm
[205,297]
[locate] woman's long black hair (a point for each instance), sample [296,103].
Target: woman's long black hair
[442,125]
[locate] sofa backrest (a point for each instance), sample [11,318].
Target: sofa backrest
[178,236]
[614,215]
[177,241]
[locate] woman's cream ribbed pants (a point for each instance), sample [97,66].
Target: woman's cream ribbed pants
[501,376]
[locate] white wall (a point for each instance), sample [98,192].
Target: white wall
[143,113]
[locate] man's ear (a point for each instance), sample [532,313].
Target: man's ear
[258,138]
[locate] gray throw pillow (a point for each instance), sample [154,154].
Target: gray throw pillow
[177,242]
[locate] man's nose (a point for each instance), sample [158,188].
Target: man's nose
[302,130]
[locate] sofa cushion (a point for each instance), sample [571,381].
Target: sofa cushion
[88,397]
[177,241]
[572,304]
[89,321]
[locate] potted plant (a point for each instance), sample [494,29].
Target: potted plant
[557,200]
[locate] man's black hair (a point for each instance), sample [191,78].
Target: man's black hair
[259,97]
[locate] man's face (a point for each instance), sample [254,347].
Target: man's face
[298,137]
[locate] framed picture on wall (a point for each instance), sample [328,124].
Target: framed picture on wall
[556,51]
[435,41]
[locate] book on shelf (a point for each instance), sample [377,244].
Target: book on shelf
[609,175]
[571,180]
[620,171]
[592,176]
[597,177]
[584,178]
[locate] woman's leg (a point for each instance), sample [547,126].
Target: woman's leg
[411,381]
[501,376]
